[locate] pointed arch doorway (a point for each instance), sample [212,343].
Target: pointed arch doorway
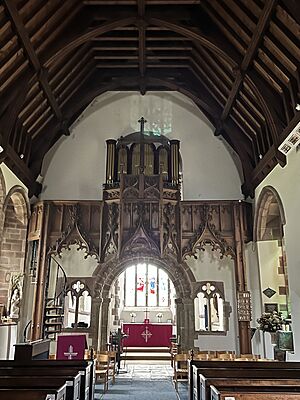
[166,290]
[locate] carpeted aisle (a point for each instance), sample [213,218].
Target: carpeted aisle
[143,382]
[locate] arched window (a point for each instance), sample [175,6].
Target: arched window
[209,307]
[78,306]
[145,285]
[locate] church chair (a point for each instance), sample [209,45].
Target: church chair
[180,368]
[225,356]
[250,356]
[173,351]
[112,355]
[112,364]
[87,354]
[203,356]
[225,352]
[102,369]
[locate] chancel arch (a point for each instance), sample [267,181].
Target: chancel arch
[180,277]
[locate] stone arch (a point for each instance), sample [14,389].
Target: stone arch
[269,215]
[13,246]
[180,274]
[181,277]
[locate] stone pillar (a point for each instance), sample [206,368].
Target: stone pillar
[185,322]
[116,308]
[179,321]
[104,323]
[95,321]
[110,161]
[189,322]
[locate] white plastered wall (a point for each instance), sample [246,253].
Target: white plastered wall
[75,167]
[74,263]
[10,179]
[286,182]
[208,266]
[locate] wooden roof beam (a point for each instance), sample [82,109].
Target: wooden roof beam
[256,39]
[41,72]
[142,43]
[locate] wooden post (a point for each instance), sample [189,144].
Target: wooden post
[241,284]
[37,322]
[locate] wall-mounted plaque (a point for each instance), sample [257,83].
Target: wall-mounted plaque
[270,307]
[244,306]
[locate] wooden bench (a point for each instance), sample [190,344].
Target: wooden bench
[40,382]
[15,393]
[254,393]
[255,384]
[202,377]
[55,368]
[204,368]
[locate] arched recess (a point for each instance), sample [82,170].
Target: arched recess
[13,247]
[181,277]
[269,211]
[269,236]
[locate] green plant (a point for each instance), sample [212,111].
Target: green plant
[270,322]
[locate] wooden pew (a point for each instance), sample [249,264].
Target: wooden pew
[56,368]
[41,382]
[243,385]
[231,365]
[33,394]
[254,393]
[203,378]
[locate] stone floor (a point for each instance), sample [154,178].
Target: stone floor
[143,381]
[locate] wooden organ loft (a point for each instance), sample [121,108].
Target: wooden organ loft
[141,218]
[142,185]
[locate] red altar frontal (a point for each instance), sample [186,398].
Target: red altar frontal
[147,335]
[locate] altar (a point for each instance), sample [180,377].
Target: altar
[147,335]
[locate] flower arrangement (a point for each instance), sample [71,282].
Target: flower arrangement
[133,315]
[270,322]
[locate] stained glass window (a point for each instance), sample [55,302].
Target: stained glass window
[145,285]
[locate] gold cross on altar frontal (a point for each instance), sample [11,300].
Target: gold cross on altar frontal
[146,334]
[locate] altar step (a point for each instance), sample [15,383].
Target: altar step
[146,354]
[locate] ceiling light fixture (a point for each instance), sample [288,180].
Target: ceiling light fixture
[1,149]
[297,107]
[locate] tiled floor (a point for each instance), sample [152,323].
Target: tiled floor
[143,381]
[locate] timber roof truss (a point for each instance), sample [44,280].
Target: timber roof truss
[238,60]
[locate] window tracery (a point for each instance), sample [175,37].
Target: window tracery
[209,307]
[78,304]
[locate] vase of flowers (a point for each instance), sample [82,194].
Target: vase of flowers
[159,316]
[271,322]
[133,315]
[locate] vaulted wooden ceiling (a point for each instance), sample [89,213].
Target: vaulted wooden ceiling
[238,60]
